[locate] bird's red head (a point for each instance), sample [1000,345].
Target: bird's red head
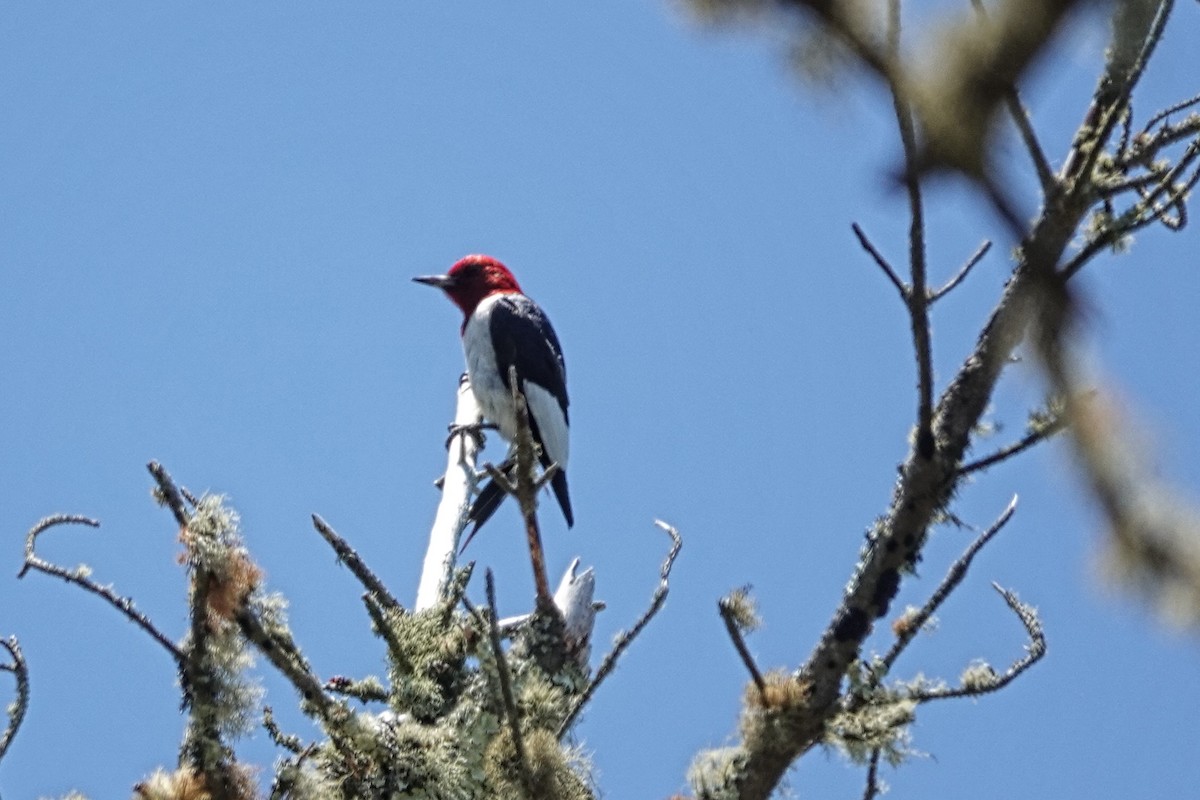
[471,279]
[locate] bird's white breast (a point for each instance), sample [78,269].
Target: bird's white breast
[495,400]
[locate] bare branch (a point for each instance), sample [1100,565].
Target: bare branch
[348,556]
[1040,434]
[625,638]
[976,257]
[871,791]
[881,261]
[916,297]
[1020,118]
[983,680]
[16,709]
[729,614]
[457,484]
[958,571]
[168,493]
[80,577]
[1169,110]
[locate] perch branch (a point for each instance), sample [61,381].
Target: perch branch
[458,483]
[526,486]
[80,578]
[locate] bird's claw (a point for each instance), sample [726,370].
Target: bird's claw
[473,429]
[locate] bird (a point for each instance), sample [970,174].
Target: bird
[503,328]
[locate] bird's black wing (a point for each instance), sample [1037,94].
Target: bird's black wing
[523,336]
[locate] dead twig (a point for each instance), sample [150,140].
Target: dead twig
[16,710]
[625,638]
[882,262]
[729,615]
[80,577]
[958,570]
[1021,445]
[349,556]
[976,257]
[986,681]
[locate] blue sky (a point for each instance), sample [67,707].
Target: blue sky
[210,215]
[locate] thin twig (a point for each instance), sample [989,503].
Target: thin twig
[16,710]
[955,575]
[916,298]
[349,556]
[625,638]
[881,261]
[1033,653]
[169,493]
[506,692]
[1169,110]
[976,257]
[1138,216]
[1027,441]
[739,644]
[1106,107]
[1020,118]
[871,791]
[80,578]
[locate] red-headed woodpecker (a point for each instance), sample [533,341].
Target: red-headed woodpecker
[503,328]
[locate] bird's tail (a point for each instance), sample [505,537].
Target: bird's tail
[491,496]
[559,484]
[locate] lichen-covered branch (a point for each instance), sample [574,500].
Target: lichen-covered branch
[911,624]
[18,707]
[350,557]
[980,678]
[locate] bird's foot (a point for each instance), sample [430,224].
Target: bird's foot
[474,430]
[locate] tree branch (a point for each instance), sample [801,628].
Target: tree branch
[976,257]
[958,570]
[348,556]
[983,679]
[16,709]
[881,261]
[1040,434]
[457,485]
[625,638]
[80,577]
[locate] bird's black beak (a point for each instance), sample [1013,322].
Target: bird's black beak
[440,281]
